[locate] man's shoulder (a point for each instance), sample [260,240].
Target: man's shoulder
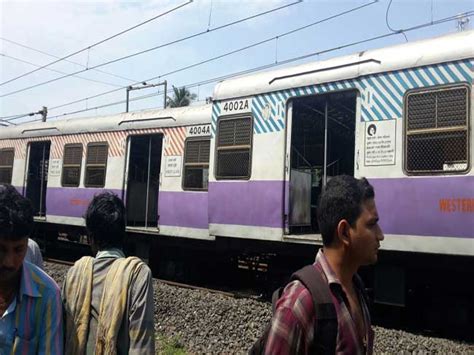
[40,278]
[143,271]
[297,297]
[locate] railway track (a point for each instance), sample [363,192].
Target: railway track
[203,320]
[171,283]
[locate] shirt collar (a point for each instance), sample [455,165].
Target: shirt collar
[28,282]
[327,270]
[110,253]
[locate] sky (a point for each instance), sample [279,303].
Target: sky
[59,28]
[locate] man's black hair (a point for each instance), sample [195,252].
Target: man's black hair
[341,198]
[105,220]
[16,214]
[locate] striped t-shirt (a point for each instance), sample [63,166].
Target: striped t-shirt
[33,324]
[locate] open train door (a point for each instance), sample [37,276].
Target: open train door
[322,146]
[37,176]
[143,180]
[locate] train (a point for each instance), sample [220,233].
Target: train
[242,174]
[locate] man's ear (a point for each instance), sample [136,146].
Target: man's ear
[343,232]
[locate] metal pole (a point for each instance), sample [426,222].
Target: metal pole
[148,183]
[325,143]
[44,113]
[128,95]
[166,91]
[42,181]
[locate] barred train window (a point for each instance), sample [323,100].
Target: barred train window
[96,164]
[196,164]
[437,131]
[72,161]
[234,144]
[6,165]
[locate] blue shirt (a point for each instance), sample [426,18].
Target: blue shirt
[33,323]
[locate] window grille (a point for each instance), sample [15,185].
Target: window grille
[234,146]
[72,162]
[96,164]
[6,165]
[436,134]
[196,164]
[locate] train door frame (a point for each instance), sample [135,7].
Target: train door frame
[307,206]
[38,198]
[146,222]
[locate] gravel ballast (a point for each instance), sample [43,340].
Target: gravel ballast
[204,322]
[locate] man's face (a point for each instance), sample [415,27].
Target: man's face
[12,253]
[366,235]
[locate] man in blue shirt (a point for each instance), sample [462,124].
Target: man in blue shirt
[30,303]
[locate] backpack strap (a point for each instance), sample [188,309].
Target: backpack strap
[325,327]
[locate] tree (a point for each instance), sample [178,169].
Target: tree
[181,97]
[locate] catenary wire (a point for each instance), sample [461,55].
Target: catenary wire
[66,60]
[388,25]
[222,55]
[151,49]
[270,65]
[99,42]
[58,71]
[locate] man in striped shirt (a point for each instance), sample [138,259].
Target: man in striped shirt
[348,221]
[30,302]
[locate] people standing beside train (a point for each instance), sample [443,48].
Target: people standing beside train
[33,254]
[334,318]
[108,299]
[31,317]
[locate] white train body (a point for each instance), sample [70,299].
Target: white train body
[263,177]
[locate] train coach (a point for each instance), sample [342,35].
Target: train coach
[401,116]
[244,173]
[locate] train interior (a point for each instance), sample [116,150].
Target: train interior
[37,176]
[143,180]
[322,145]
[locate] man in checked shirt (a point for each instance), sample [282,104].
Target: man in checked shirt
[348,221]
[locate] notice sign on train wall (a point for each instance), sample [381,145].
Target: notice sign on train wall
[54,167]
[173,165]
[380,143]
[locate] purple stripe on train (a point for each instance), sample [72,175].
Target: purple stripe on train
[183,209]
[249,203]
[437,206]
[71,201]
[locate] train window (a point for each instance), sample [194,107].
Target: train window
[234,146]
[436,131]
[72,161]
[96,164]
[6,165]
[196,164]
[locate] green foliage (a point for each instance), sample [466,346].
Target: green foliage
[169,346]
[181,97]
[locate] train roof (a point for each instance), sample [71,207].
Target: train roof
[413,54]
[170,117]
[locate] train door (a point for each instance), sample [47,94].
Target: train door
[322,145]
[37,176]
[143,180]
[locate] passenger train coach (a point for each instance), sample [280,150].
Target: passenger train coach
[244,173]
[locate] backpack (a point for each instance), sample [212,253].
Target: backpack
[326,318]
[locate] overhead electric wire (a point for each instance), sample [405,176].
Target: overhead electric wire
[392,29]
[154,48]
[99,42]
[222,55]
[271,65]
[58,71]
[66,60]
